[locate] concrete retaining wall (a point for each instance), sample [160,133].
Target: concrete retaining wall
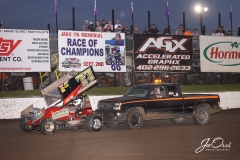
[11,108]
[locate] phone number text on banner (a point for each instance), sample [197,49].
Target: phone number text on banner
[162,53]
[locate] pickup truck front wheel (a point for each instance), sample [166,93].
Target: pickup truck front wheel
[134,119]
[202,116]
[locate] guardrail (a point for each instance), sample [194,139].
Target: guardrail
[11,108]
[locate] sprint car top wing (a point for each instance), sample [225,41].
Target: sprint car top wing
[69,86]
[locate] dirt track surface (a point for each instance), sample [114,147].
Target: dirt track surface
[155,140]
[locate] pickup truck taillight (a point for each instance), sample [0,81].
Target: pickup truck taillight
[218,101]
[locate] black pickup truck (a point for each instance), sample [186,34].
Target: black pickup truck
[157,101]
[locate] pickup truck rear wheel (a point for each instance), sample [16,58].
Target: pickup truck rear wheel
[134,119]
[93,123]
[112,125]
[178,120]
[202,116]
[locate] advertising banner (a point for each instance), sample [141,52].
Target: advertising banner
[220,54]
[24,50]
[105,52]
[162,53]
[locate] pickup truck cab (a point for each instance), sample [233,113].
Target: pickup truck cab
[157,101]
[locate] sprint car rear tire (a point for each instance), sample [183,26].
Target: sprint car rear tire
[24,127]
[47,126]
[201,116]
[112,125]
[134,119]
[93,123]
[178,120]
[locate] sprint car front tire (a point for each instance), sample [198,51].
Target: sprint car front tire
[47,126]
[23,126]
[93,123]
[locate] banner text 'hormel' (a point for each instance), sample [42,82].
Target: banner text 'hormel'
[105,52]
[24,50]
[162,53]
[220,54]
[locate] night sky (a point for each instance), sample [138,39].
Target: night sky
[33,14]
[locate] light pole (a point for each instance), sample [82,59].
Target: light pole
[198,9]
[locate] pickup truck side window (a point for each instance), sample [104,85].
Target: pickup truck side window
[172,91]
[137,91]
[158,92]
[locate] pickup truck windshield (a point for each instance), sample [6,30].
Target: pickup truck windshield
[137,92]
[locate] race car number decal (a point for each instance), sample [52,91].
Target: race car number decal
[63,87]
[82,77]
[61,113]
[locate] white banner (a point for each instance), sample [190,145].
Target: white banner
[220,53]
[24,50]
[104,51]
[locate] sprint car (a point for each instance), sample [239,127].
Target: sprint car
[68,107]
